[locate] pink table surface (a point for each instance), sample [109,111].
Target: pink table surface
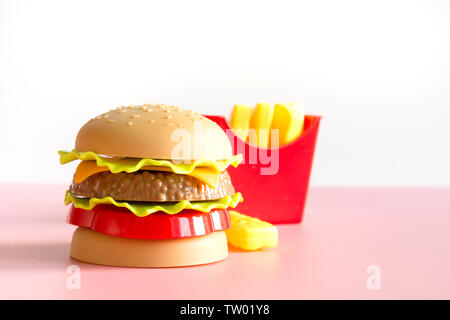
[403,231]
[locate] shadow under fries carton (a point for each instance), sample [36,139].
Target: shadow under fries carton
[274,181]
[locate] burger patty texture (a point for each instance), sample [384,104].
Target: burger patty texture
[151,186]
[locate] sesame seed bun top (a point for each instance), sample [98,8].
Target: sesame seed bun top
[154,131]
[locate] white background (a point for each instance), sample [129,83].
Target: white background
[378,71]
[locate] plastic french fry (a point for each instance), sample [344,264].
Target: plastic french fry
[250,233]
[288,118]
[260,124]
[240,120]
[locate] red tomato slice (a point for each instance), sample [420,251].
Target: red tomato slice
[120,222]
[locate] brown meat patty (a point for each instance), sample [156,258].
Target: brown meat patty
[151,186]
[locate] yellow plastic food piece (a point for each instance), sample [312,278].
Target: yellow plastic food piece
[142,209]
[250,233]
[88,168]
[240,120]
[288,118]
[260,124]
[116,164]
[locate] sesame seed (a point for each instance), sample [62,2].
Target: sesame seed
[148,110]
[168,117]
[135,116]
[123,111]
[180,125]
[129,123]
[151,121]
[167,110]
[111,121]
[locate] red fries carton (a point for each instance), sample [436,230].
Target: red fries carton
[274,181]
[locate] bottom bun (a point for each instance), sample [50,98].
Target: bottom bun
[98,248]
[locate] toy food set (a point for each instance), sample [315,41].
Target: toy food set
[274,174]
[152,189]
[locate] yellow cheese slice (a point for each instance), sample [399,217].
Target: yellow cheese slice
[240,120]
[260,124]
[288,118]
[88,168]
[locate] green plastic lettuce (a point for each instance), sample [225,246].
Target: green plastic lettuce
[116,165]
[142,209]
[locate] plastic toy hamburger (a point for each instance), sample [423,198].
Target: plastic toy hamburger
[151,189]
